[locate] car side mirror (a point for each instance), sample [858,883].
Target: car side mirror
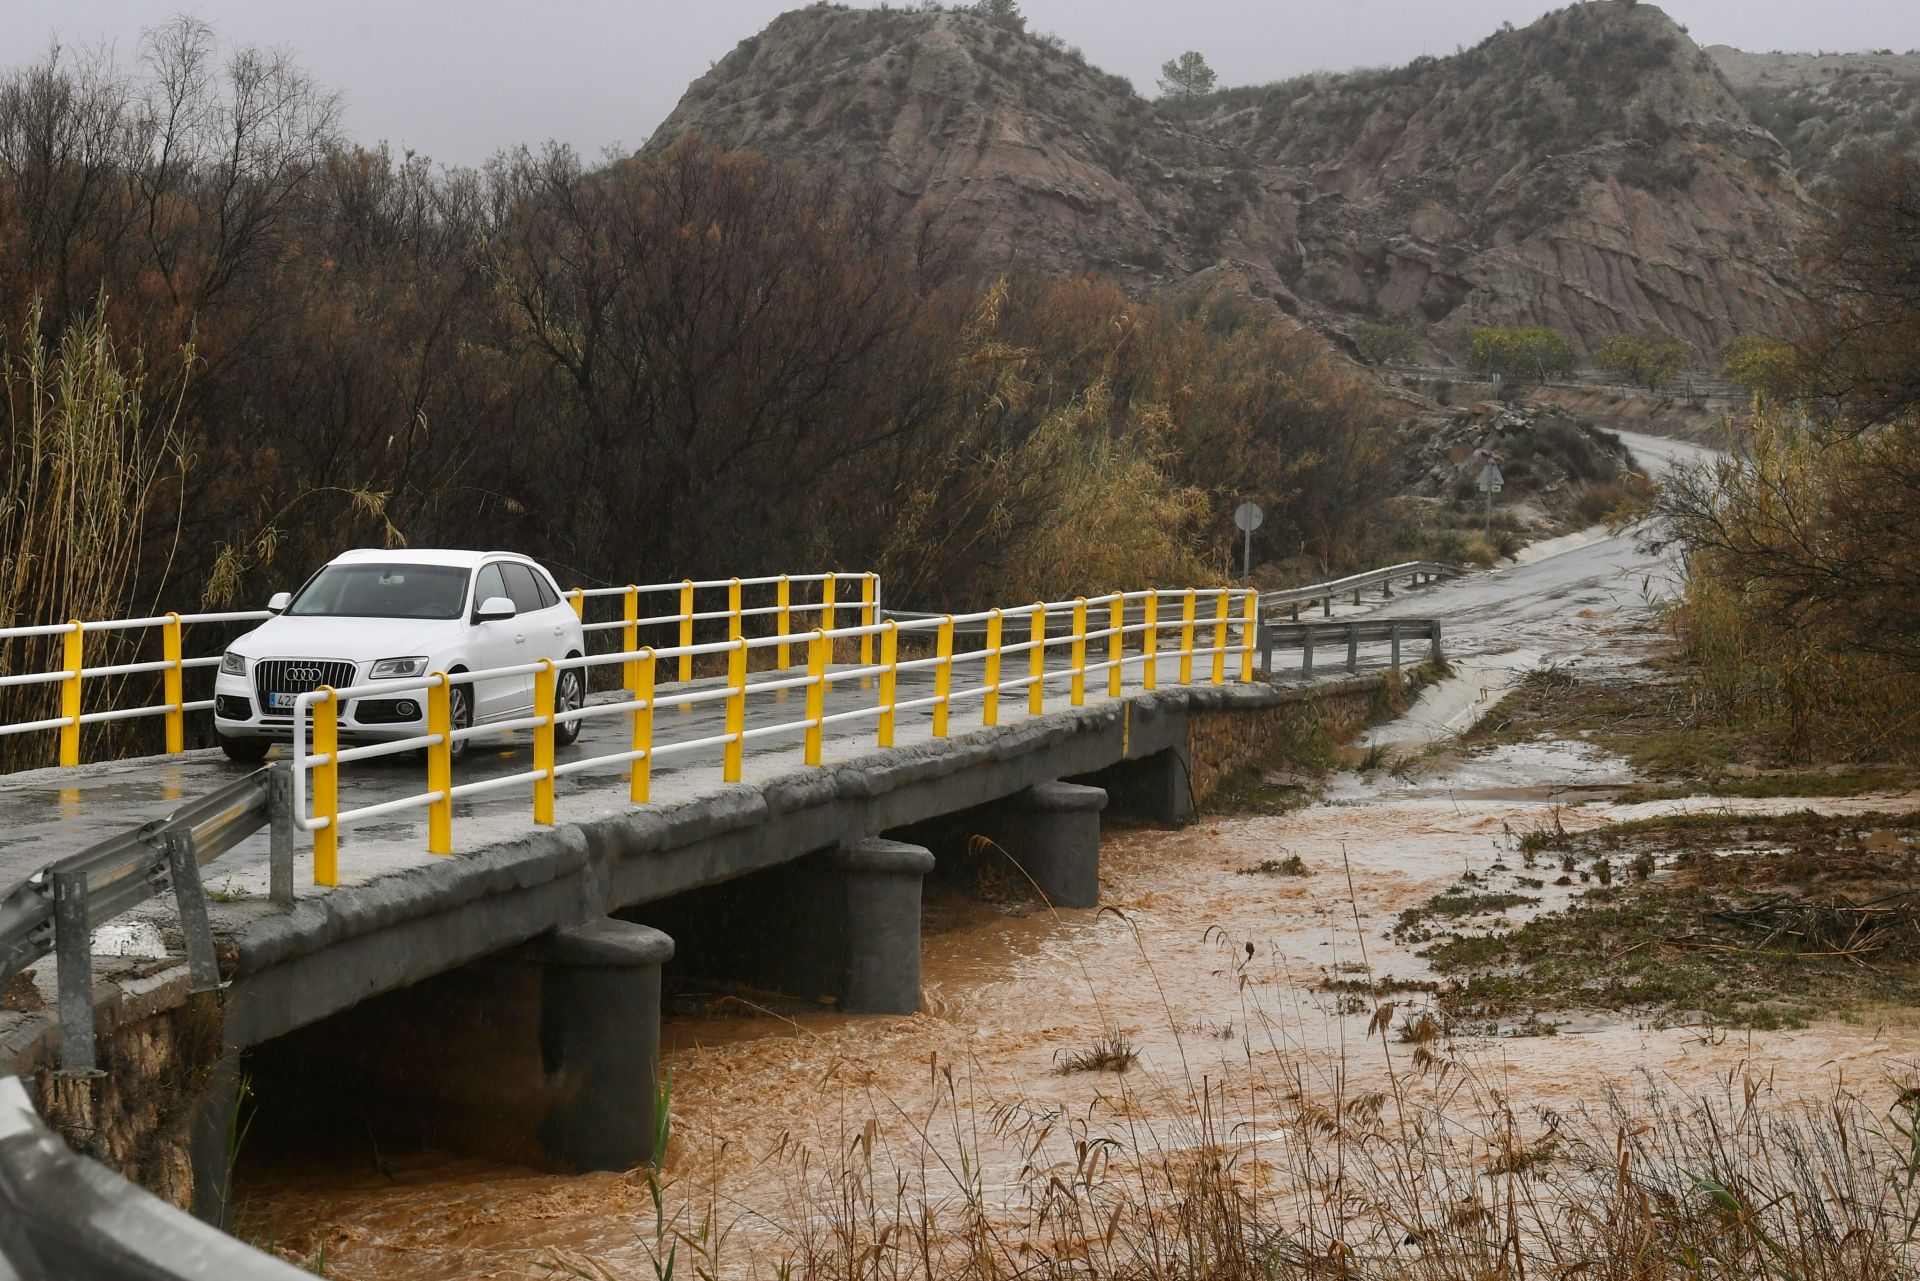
[494,609]
[278,602]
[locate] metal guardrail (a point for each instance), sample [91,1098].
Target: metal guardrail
[58,909]
[1414,571]
[317,751]
[1308,638]
[64,1216]
[73,675]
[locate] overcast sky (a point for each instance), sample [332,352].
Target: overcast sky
[457,79]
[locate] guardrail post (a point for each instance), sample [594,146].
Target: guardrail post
[1186,636]
[173,684]
[640,769]
[889,662]
[990,705]
[1356,595]
[1077,688]
[543,690]
[1116,643]
[734,621]
[943,677]
[1249,635]
[736,712]
[1306,651]
[280,830]
[629,635]
[868,608]
[326,788]
[1393,637]
[1326,605]
[440,765]
[70,694]
[578,599]
[816,693]
[73,952]
[1150,645]
[1296,611]
[1353,647]
[1222,610]
[1386,589]
[1438,655]
[686,632]
[826,603]
[1037,664]
[783,621]
[183,866]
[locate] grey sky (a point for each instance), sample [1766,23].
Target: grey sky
[458,78]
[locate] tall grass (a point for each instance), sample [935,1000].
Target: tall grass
[85,461]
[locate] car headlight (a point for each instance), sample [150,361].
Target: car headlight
[233,664]
[389,668]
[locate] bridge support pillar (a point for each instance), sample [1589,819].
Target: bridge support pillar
[599,1041]
[1052,832]
[880,883]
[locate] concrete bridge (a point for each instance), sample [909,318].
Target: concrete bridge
[507,1000]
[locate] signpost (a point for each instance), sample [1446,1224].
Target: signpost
[1490,483]
[1247,516]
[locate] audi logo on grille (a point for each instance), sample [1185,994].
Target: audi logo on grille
[311,674]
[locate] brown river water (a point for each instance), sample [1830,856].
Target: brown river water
[1213,973]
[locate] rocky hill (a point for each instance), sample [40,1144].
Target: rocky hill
[1832,110]
[1593,172]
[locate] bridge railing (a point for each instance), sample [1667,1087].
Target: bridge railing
[1211,641]
[1414,571]
[694,606]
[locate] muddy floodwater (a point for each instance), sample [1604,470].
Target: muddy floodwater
[1214,972]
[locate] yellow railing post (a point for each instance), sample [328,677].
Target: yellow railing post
[440,766]
[70,693]
[736,712]
[1222,611]
[1186,637]
[1037,691]
[943,677]
[889,660]
[783,621]
[990,708]
[1116,643]
[543,684]
[816,693]
[172,683]
[326,788]
[578,599]
[866,619]
[1078,686]
[686,631]
[1249,635]
[1149,670]
[630,634]
[640,770]
[826,603]
[733,610]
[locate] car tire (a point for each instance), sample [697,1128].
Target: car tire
[248,751]
[568,696]
[460,715]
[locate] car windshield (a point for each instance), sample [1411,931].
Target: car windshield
[383,591]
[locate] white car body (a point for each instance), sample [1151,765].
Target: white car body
[316,640]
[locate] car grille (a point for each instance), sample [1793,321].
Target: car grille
[297,676]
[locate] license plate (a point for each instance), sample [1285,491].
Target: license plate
[281,702]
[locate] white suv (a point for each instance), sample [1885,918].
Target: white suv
[369,616]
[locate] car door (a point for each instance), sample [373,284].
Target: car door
[557,619]
[498,643]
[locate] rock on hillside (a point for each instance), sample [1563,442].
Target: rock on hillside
[1832,110]
[1592,172]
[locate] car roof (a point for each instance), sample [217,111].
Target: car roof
[424,556]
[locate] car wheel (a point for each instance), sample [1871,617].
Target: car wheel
[460,716]
[249,751]
[567,697]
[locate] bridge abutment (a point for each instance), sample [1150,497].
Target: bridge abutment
[1051,831]
[1158,787]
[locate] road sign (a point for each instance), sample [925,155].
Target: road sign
[1248,516]
[1490,479]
